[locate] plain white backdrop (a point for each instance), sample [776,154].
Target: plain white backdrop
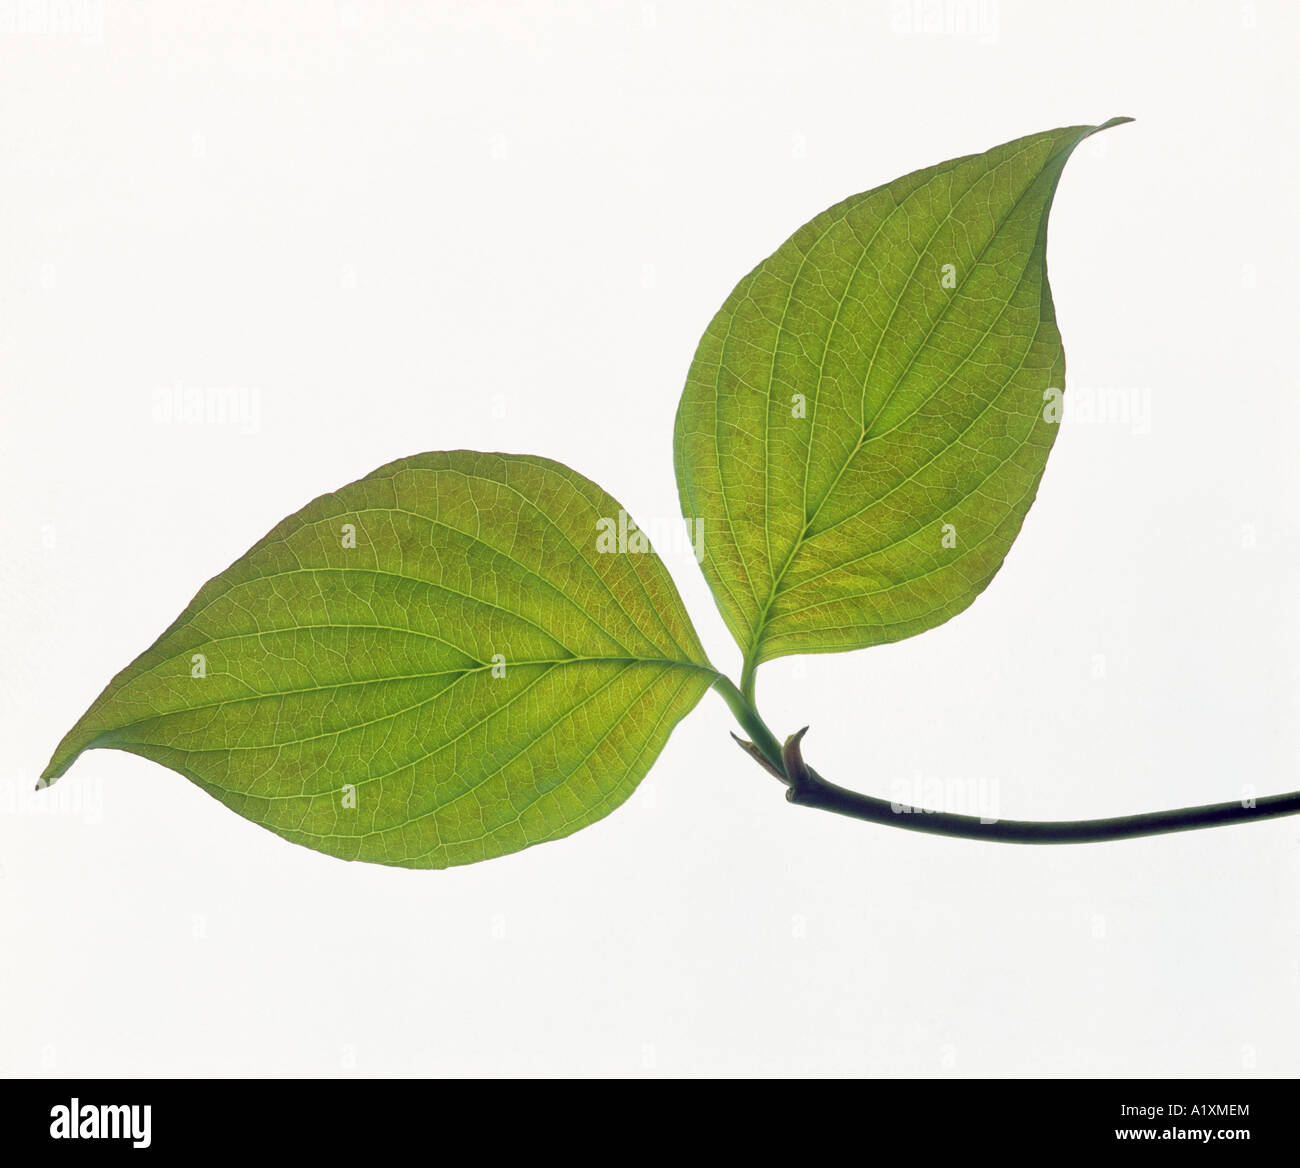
[251,252]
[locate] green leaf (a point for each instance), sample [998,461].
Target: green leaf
[447,660]
[864,426]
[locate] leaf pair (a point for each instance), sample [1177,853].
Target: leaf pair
[445,661]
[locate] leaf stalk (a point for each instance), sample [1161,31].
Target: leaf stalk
[764,748]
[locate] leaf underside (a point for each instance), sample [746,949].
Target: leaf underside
[863,427]
[464,675]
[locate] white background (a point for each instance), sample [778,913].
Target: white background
[392,228]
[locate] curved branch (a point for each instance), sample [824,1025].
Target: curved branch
[807,788]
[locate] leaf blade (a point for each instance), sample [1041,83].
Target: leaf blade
[832,518]
[473,668]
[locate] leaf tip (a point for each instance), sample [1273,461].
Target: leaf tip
[65,754]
